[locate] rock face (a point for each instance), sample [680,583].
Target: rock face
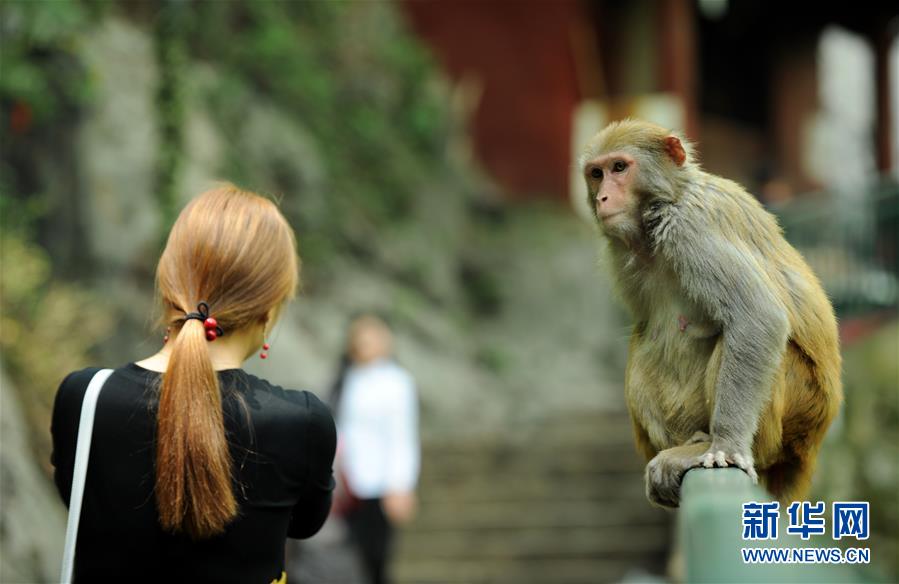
[119,142]
[32,517]
[482,368]
[536,358]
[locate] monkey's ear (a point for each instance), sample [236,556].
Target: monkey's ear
[675,150]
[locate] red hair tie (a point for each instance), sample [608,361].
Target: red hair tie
[213,330]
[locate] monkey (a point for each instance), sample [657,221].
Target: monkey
[734,354]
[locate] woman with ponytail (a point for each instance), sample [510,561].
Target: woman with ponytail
[198,471]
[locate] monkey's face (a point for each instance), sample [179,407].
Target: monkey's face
[611,188]
[628,166]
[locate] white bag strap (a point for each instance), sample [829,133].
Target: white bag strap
[79,473]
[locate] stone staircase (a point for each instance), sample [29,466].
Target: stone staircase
[560,501]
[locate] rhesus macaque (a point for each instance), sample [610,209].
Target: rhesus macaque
[734,358]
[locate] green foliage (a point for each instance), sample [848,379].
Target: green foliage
[48,327]
[359,82]
[40,74]
[861,460]
[171,56]
[493,358]
[482,291]
[872,433]
[348,71]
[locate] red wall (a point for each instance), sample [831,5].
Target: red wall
[521,53]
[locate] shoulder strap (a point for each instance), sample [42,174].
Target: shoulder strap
[79,472]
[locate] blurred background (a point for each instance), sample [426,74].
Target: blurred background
[423,152]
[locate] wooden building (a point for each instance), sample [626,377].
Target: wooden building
[744,79]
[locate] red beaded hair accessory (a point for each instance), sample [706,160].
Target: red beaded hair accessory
[213,330]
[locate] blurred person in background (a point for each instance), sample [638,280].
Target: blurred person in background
[198,470]
[379,453]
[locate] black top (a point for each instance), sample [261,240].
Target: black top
[282,448]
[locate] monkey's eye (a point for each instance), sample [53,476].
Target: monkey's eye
[619,166]
[596,172]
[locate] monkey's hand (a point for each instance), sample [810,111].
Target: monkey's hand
[665,472]
[697,437]
[722,454]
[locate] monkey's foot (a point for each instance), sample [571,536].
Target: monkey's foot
[665,472]
[722,456]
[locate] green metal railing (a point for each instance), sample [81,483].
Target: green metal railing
[710,535]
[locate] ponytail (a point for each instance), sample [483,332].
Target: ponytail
[235,250]
[193,464]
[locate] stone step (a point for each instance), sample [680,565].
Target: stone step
[625,488]
[533,543]
[434,517]
[552,571]
[565,466]
[576,430]
[544,448]
[558,501]
[540,447]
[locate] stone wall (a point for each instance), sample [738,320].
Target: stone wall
[32,520]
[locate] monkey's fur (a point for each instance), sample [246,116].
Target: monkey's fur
[734,356]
